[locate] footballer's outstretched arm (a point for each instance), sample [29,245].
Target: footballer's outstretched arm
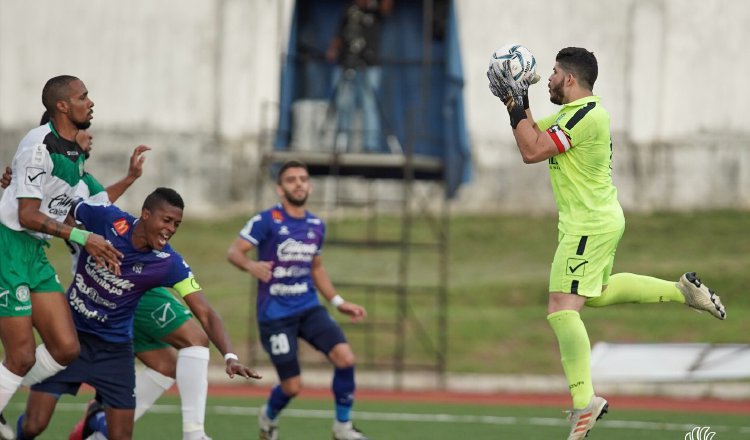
[135,170]
[214,327]
[30,217]
[325,287]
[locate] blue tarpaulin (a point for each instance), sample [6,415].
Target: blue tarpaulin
[420,96]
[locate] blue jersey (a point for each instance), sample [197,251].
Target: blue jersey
[290,244]
[103,303]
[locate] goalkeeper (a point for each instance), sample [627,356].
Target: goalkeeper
[576,143]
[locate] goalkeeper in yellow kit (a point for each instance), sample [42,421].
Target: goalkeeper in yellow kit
[576,143]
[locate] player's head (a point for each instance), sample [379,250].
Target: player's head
[573,66]
[161,215]
[67,95]
[293,183]
[84,138]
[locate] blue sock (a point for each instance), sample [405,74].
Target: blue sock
[19,431]
[98,422]
[343,391]
[276,402]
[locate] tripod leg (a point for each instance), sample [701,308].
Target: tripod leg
[376,124]
[343,108]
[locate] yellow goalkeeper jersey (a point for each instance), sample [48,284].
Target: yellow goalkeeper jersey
[581,174]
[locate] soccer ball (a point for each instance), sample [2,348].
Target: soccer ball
[522,61]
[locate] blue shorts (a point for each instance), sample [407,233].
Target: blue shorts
[108,367]
[279,338]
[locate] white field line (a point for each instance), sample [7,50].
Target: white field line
[246,411]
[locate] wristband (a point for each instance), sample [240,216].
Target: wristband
[516,113]
[230,356]
[79,236]
[336,301]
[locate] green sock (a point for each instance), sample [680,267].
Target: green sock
[632,288]
[575,353]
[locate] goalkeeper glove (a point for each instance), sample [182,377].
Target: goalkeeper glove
[514,94]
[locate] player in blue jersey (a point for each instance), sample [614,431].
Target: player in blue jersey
[103,305]
[50,167]
[290,275]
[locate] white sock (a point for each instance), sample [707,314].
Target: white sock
[9,383]
[192,381]
[149,386]
[45,366]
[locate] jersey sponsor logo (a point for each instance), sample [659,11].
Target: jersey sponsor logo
[60,205]
[576,267]
[293,250]
[163,315]
[277,216]
[22,293]
[92,294]
[290,272]
[34,176]
[160,254]
[4,295]
[78,305]
[121,226]
[106,279]
[277,289]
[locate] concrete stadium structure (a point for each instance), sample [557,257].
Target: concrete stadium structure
[197,80]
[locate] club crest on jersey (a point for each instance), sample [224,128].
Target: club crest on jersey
[138,268]
[22,293]
[310,234]
[121,226]
[277,216]
[283,230]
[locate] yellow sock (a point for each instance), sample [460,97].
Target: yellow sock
[575,353]
[632,288]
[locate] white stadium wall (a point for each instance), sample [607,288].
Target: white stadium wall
[197,80]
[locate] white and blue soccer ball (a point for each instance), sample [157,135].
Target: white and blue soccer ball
[522,61]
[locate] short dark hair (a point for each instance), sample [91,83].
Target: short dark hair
[45,118]
[290,164]
[56,89]
[580,63]
[163,195]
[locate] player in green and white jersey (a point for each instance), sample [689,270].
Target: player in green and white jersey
[49,166]
[577,145]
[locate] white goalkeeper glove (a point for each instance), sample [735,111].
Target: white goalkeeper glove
[514,94]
